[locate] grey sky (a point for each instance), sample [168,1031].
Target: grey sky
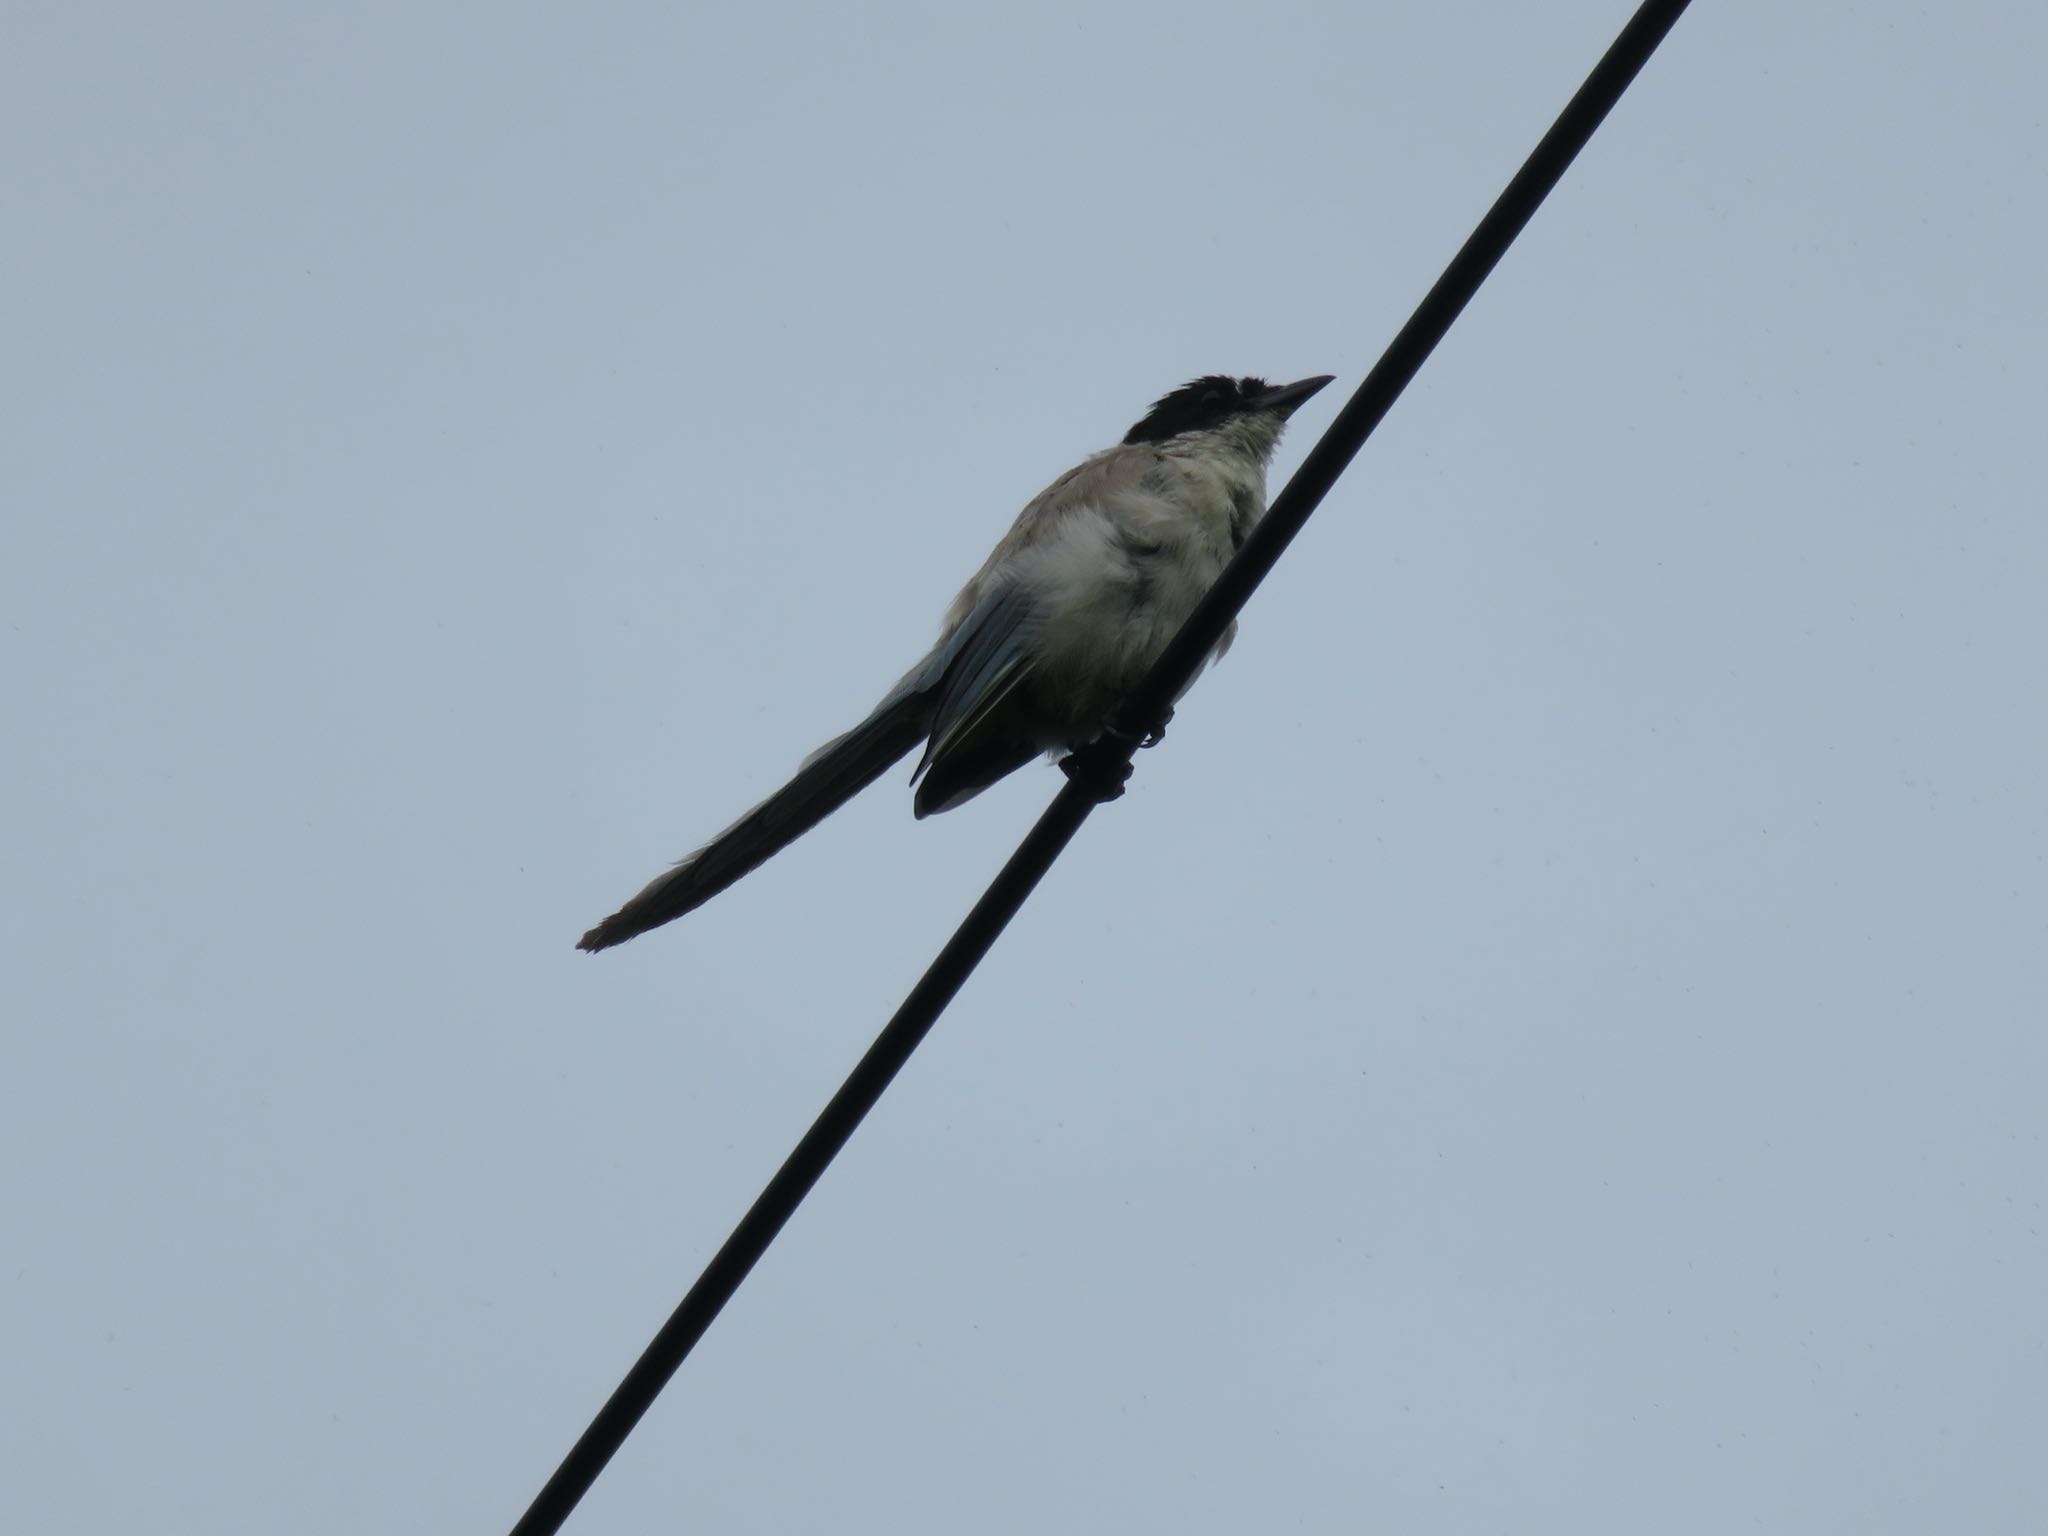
[1553,1043]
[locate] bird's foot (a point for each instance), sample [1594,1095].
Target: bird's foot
[1151,736]
[1102,774]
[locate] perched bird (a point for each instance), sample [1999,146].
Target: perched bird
[1082,595]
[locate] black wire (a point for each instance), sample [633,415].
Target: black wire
[1106,762]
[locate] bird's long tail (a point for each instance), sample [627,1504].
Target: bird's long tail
[830,776]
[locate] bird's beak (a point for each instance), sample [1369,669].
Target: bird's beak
[1287,398]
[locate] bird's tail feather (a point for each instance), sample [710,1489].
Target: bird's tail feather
[830,776]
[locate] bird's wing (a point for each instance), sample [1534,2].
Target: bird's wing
[983,661]
[1095,482]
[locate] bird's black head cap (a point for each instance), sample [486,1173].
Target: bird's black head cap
[1208,402]
[1196,406]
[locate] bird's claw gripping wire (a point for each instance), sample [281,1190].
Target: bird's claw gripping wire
[1103,770]
[1099,771]
[1151,736]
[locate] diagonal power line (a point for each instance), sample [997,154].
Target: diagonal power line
[1106,760]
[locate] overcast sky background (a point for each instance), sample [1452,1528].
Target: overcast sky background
[1552,1043]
